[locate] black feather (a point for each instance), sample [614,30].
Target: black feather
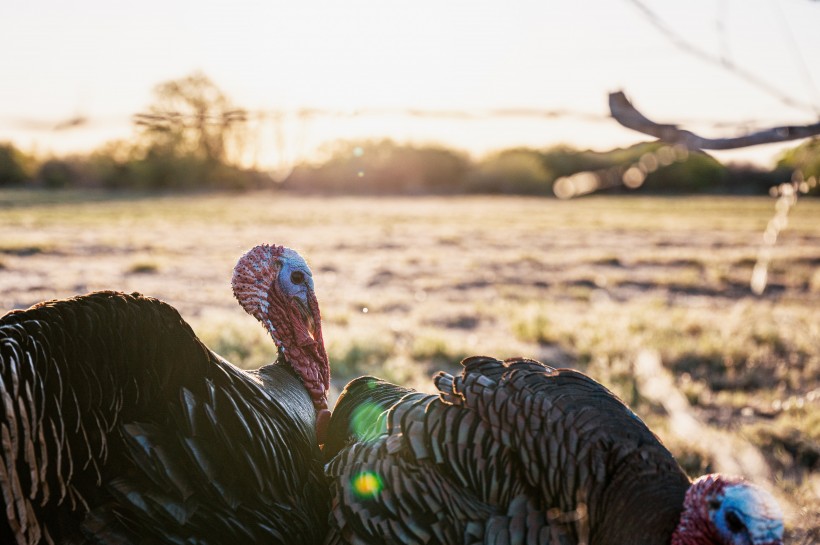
[508,452]
[119,426]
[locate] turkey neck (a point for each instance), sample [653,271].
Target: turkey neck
[284,385]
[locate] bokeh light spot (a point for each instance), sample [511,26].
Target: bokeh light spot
[366,484]
[576,185]
[365,419]
[634,177]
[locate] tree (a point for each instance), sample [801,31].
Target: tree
[13,165]
[627,115]
[190,138]
[513,171]
[191,116]
[806,159]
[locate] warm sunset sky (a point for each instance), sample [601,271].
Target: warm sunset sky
[101,58]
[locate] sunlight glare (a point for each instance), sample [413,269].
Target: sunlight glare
[576,185]
[365,418]
[634,177]
[366,484]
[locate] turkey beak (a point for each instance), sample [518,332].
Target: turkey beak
[311,325]
[306,315]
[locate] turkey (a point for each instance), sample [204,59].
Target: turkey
[119,426]
[517,452]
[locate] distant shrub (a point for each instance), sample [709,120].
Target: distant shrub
[565,161]
[14,166]
[387,167]
[161,168]
[697,173]
[806,158]
[662,168]
[109,167]
[58,173]
[383,167]
[516,171]
[744,179]
[143,267]
[152,169]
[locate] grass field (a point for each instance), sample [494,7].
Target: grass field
[412,285]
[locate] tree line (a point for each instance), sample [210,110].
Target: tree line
[191,136]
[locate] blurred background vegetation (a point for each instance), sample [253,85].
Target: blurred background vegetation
[192,135]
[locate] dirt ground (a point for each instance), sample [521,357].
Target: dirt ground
[410,285]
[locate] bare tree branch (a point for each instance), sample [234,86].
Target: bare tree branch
[625,113]
[723,62]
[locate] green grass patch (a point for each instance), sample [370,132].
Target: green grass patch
[353,357]
[436,352]
[23,249]
[246,345]
[143,267]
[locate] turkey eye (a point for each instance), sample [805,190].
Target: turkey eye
[714,505]
[734,523]
[297,277]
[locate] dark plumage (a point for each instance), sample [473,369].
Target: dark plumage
[517,452]
[119,426]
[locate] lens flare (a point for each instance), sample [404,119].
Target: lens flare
[366,484]
[365,420]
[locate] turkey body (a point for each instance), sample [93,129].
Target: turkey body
[119,426]
[508,452]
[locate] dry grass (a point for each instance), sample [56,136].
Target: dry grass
[588,283]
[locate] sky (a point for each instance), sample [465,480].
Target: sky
[100,59]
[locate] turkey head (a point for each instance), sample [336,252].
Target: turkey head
[731,511]
[275,285]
